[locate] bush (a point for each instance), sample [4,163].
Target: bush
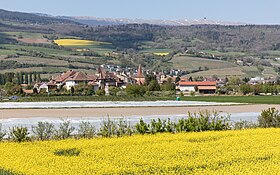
[135,90]
[244,125]
[108,128]
[124,128]
[86,130]
[19,134]
[100,92]
[269,118]
[2,133]
[203,121]
[141,127]
[121,93]
[67,152]
[65,130]
[43,131]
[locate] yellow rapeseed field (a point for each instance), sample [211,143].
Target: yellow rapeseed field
[77,42]
[255,151]
[161,54]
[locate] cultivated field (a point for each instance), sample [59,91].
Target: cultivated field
[255,151]
[193,63]
[77,42]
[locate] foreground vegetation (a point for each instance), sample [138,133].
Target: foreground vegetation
[154,150]
[254,151]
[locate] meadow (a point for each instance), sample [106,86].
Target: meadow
[193,63]
[254,151]
[237,99]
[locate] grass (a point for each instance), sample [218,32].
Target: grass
[237,99]
[25,34]
[193,63]
[49,51]
[153,50]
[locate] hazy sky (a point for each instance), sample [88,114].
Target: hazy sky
[250,11]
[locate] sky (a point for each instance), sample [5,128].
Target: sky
[248,11]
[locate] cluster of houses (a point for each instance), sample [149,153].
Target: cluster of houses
[101,80]
[106,77]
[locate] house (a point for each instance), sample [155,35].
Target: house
[60,80]
[204,87]
[78,77]
[40,86]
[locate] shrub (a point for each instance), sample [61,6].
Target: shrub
[2,133]
[124,128]
[203,121]
[108,128]
[43,131]
[141,127]
[20,134]
[65,130]
[269,118]
[67,152]
[100,92]
[121,93]
[243,124]
[86,130]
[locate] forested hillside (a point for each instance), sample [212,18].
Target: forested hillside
[27,41]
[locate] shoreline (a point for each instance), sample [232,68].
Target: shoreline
[126,111]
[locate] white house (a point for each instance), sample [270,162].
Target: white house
[205,87]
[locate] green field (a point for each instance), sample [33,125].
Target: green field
[25,35]
[237,99]
[193,63]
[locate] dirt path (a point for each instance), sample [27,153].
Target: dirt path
[139,111]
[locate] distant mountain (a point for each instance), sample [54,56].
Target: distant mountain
[45,19]
[93,21]
[31,18]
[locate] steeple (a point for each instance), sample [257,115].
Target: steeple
[100,73]
[140,72]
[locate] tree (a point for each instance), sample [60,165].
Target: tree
[245,89]
[168,86]
[135,90]
[153,86]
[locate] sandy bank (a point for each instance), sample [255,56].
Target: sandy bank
[129,111]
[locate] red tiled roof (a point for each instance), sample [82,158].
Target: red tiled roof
[206,87]
[198,83]
[28,91]
[80,76]
[64,76]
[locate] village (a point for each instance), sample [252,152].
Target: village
[110,77]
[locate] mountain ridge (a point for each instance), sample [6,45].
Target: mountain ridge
[90,20]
